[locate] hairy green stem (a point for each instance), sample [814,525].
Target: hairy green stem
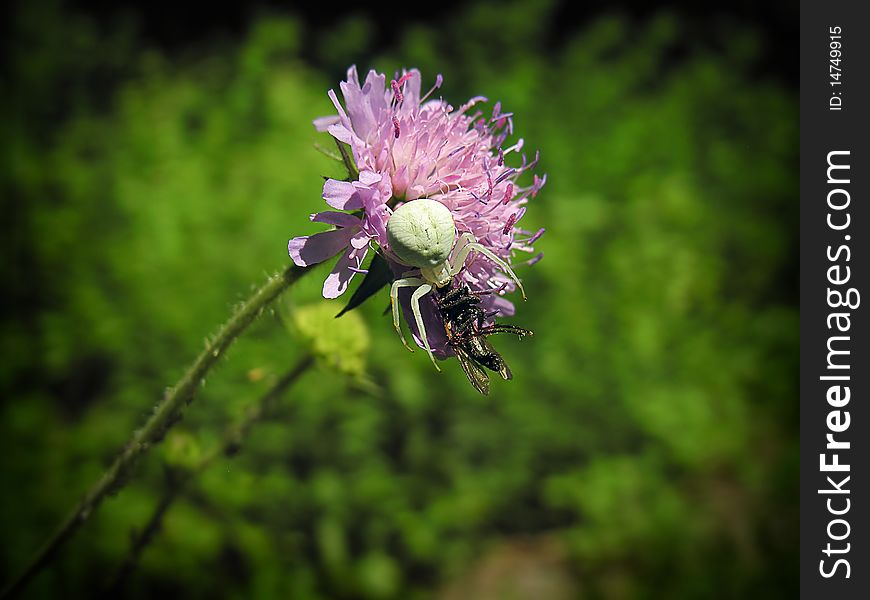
[177,480]
[167,413]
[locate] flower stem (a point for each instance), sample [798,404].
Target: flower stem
[177,480]
[166,414]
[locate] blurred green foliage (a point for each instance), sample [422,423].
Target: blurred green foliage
[650,430]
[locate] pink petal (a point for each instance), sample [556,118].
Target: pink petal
[352,75]
[412,90]
[364,105]
[342,116]
[376,225]
[336,282]
[323,123]
[341,195]
[360,240]
[309,250]
[339,219]
[369,178]
[504,306]
[341,133]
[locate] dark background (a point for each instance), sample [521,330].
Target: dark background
[824,131]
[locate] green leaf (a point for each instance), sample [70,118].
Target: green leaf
[328,153]
[346,156]
[378,276]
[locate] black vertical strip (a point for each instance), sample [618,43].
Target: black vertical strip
[835,298]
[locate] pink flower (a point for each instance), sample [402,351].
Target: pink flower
[407,147]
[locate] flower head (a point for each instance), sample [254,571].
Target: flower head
[406,147]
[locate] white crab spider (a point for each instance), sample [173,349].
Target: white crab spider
[422,234]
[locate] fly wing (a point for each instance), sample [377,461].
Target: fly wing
[484,354]
[476,375]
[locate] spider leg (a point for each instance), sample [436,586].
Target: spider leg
[466,244]
[477,247]
[462,250]
[418,316]
[394,302]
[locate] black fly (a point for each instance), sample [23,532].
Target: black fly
[467,335]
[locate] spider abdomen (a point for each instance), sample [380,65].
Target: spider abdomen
[421,233]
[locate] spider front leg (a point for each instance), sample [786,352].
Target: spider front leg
[418,317]
[466,244]
[394,303]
